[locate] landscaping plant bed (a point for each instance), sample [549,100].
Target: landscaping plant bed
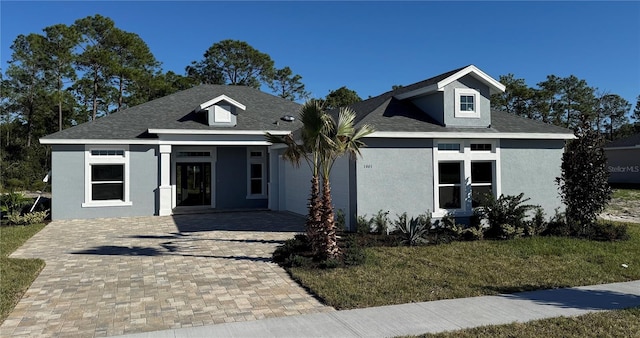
[396,275]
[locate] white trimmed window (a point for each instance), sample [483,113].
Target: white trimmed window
[106,176]
[256,173]
[462,177]
[467,103]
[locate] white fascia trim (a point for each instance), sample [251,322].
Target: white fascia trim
[466,135]
[216,132]
[96,141]
[494,85]
[223,97]
[158,142]
[478,74]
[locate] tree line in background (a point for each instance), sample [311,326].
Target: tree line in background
[571,103]
[70,74]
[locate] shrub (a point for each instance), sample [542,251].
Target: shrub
[362,225]
[608,231]
[446,230]
[14,202]
[28,218]
[583,182]
[537,225]
[506,215]
[380,222]
[290,253]
[557,226]
[340,220]
[413,231]
[353,253]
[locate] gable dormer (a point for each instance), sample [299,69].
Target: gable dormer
[461,99]
[221,111]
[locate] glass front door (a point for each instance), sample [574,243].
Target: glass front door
[193,184]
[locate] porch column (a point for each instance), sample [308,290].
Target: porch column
[165,180]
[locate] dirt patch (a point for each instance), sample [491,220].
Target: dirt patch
[624,207]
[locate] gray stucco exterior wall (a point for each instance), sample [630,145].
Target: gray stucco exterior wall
[449,103]
[623,165]
[395,175]
[531,167]
[68,184]
[231,180]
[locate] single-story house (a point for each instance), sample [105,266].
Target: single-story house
[623,160]
[437,145]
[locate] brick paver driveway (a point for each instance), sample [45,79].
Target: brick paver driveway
[113,276]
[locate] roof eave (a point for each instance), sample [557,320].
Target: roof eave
[472,135]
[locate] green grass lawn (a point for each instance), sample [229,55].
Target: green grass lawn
[395,275]
[16,275]
[626,194]
[619,323]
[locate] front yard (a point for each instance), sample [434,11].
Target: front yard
[16,275]
[395,275]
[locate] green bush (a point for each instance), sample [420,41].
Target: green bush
[289,253]
[608,231]
[28,218]
[380,222]
[537,225]
[446,230]
[362,225]
[506,215]
[413,231]
[14,202]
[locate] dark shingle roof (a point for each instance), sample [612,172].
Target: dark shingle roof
[176,111]
[386,113]
[631,141]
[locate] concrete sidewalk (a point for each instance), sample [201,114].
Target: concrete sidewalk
[436,316]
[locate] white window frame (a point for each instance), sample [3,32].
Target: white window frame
[90,160]
[459,92]
[466,156]
[221,114]
[262,160]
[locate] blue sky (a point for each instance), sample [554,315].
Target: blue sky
[370,46]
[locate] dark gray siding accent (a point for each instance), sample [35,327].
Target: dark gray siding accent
[531,167]
[467,81]
[68,180]
[231,180]
[623,165]
[432,105]
[395,176]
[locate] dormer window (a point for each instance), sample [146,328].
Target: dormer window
[467,103]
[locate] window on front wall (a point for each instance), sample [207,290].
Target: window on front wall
[467,102]
[481,181]
[462,177]
[107,182]
[106,176]
[256,185]
[450,184]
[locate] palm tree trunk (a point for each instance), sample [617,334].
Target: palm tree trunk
[314,217]
[330,239]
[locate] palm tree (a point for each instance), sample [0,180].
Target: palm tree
[314,125]
[323,141]
[339,139]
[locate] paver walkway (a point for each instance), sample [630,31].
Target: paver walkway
[427,317]
[109,277]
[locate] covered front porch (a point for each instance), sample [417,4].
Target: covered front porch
[204,178]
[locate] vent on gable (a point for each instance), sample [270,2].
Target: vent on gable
[221,111]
